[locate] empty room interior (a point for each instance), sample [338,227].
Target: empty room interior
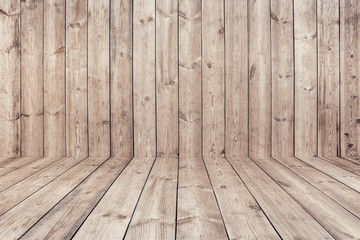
[179,119]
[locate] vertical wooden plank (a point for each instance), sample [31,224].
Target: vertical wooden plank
[32,118]
[98,77]
[213,101]
[259,78]
[350,73]
[76,78]
[10,78]
[282,78]
[305,40]
[54,78]
[190,78]
[236,64]
[167,78]
[328,77]
[121,78]
[144,77]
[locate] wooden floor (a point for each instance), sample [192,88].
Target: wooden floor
[186,198]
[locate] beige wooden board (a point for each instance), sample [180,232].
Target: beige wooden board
[198,216]
[236,77]
[259,78]
[345,196]
[121,78]
[23,172]
[98,78]
[213,31]
[155,214]
[10,78]
[337,169]
[38,204]
[54,78]
[287,216]
[25,188]
[112,215]
[76,79]
[32,82]
[328,78]
[350,70]
[305,46]
[282,77]
[318,205]
[65,218]
[167,78]
[144,78]
[242,215]
[190,78]
[12,164]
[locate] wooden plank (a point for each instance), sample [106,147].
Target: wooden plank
[13,164]
[144,77]
[167,78]
[24,172]
[282,77]
[287,216]
[198,215]
[328,78]
[242,215]
[76,78]
[25,188]
[213,99]
[121,78]
[259,78]
[305,44]
[350,71]
[98,78]
[54,78]
[65,218]
[345,196]
[32,81]
[190,78]
[236,76]
[155,214]
[336,169]
[38,204]
[318,205]
[111,216]
[10,79]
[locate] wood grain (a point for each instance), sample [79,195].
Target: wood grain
[10,79]
[32,81]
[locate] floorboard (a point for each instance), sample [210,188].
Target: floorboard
[318,205]
[243,217]
[346,164]
[37,205]
[67,216]
[198,215]
[111,217]
[12,164]
[289,219]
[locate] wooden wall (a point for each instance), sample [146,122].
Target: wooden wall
[209,78]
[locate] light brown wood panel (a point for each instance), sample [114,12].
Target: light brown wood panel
[350,73]
[305,46]
[98,78]
[259,78]
[236,76]
[167,78]
[190,78]
[328,78]
[54,78]
[10,78]
[32,81]
[213,98]
[144,78]
[76,79]
[121,78]
[282,77]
